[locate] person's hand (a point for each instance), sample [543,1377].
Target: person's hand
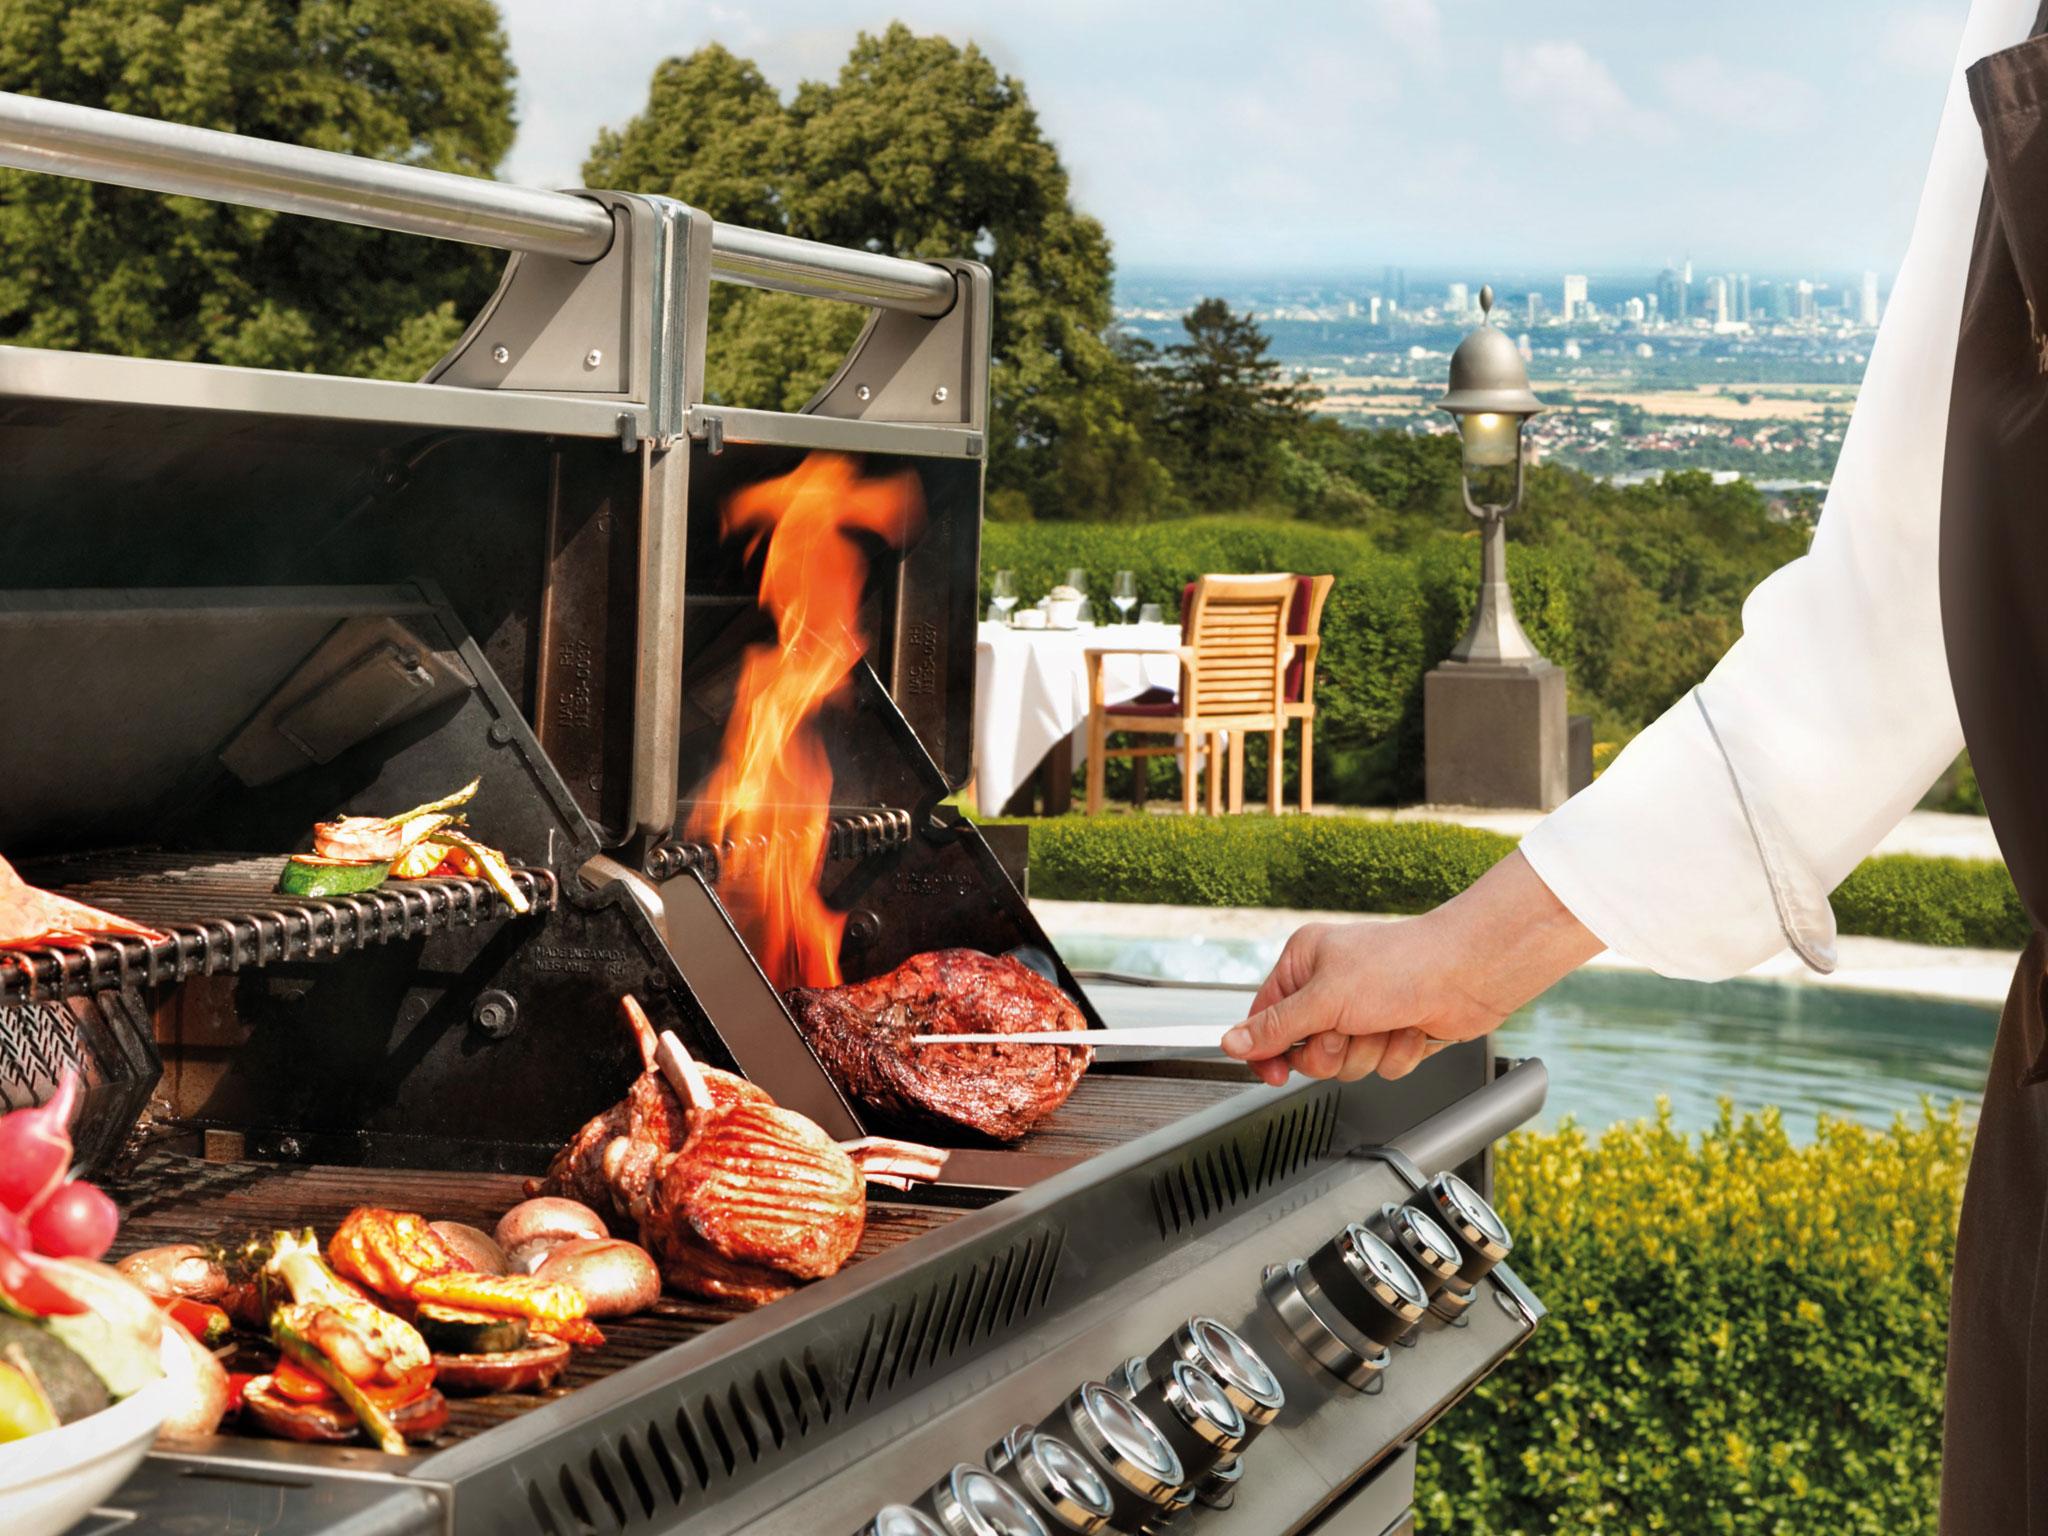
[1349,999]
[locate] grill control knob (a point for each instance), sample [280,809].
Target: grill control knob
[1139,1466]
[1481,1236]
[900,1520]
[1245,1378]
[972,1501]
[1057,1480]
[1197,1418]
[1370,1285]
[1425,1247]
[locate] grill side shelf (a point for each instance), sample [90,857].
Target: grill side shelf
[222,913]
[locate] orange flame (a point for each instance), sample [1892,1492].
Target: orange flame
[771,794]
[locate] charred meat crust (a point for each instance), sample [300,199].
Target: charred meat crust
[862,1034]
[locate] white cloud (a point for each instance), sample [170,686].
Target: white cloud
[1922,39]
[1760,100]
[1415,25]
[1573,94]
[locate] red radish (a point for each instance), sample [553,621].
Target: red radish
[77,1222]
[35,1148]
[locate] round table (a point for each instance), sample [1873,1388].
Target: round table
[1031,693]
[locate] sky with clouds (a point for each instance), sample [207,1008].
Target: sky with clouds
[1312,135]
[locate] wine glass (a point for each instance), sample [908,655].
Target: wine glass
[1078,580]
[1124,593]
[1003,594]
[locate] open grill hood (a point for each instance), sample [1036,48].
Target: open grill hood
[235,603]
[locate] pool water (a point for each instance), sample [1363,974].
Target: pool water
[1615,1040]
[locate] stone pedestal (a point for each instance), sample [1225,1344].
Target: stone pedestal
[1495,735]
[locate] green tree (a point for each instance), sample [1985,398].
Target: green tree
[1226,406]
[108,269]
[919,148]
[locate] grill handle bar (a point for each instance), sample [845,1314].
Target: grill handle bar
[1467,1128]
[64,139]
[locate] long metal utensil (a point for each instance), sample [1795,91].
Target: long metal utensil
[1193,1039]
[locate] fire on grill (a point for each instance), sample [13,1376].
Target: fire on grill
[353,1078]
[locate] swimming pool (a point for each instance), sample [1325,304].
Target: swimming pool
[1615,1040]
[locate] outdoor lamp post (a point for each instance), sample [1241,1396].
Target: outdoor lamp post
[1489,398]
[1495,732]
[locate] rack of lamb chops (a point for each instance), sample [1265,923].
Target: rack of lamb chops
[734,1195]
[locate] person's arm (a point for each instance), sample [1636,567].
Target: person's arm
[1347,999]
[1714,838]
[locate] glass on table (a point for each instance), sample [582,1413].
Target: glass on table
[1151,613]
[1078,580]
[1123,592]
[1003,594]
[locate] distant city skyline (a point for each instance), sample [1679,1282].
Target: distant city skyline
[1559,134]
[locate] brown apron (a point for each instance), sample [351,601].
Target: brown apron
[1994,600]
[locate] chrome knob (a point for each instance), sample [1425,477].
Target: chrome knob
[1369,1284]
[973,1501]
[901,1520]
[1480,1235]
[1140,1468]
[1238,1369]
[1057,1480]
[1425,1247]
[1195,1415]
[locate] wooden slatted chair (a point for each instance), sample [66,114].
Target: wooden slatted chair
[1233,661]
[1304,624]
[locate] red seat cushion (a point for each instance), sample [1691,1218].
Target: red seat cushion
[1297,623]
[1167,708]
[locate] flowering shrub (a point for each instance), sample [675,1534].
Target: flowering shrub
[1745,1335]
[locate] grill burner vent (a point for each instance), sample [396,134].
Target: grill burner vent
[1214,1178]
[223,913]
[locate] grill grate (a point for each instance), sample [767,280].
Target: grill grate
[849,835]
[222,912]
[170,1198]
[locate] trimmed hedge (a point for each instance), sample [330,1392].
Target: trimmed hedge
[1362,864]
[1745,1335]
[1390,618]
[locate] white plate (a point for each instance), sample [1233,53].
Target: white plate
[49,1482]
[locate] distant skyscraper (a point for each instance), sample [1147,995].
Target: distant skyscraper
[1717,300]
[1395,287]
[1574,296]
[1457,300]
[1534,304]
[1373,304]
[1671,294]
[1743,311]
[1868,313]
[1635,310]
[1804,305]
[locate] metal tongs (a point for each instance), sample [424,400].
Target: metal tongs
[1178,1039]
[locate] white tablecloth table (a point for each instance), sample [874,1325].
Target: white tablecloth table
[1031,691]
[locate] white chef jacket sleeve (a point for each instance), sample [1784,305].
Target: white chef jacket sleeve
[1712,841]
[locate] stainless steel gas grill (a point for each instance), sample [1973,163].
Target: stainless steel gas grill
[234,603]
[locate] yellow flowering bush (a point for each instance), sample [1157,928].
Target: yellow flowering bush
[1746,1335]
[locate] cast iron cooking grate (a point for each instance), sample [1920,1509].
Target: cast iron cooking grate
[222,912]
[1214,1177]
[848,835]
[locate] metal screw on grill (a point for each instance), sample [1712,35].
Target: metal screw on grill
[939,395]
[863,927]
[501,733]
[863,393]
[501,354]
[496,1013]
[592,358]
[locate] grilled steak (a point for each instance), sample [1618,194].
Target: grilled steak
[755,1200]
[862,1033]
[610,1163]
